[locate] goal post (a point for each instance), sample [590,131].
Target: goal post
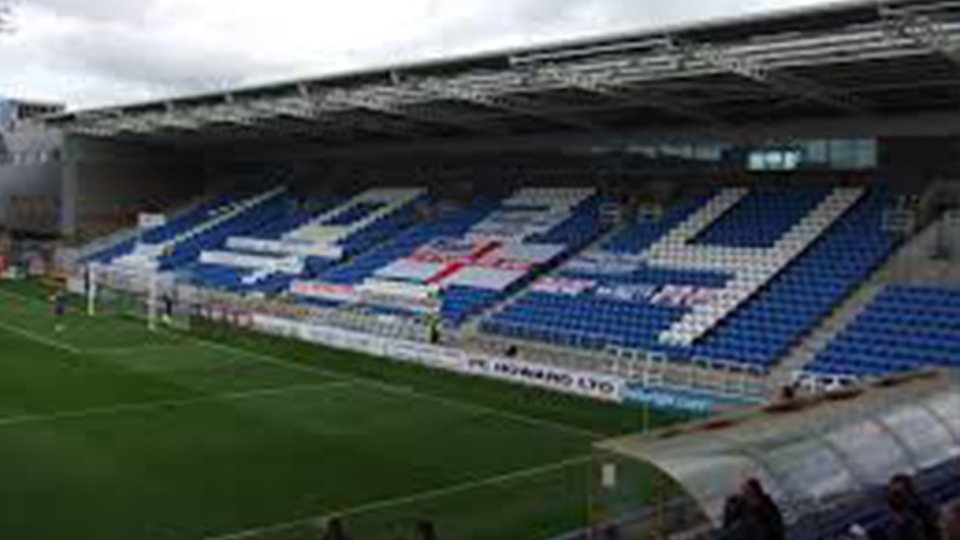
[141,293]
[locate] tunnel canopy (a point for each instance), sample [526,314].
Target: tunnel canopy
[812,455]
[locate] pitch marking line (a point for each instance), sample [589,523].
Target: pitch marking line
[400,390]
[136,349]
[37,338]
[167,404]
[407,499]
[366,381]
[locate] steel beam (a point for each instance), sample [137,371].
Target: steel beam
[382,105]
[504,103]
[922,30]
[730,61]
[608,87]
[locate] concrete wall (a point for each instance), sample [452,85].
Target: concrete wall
[32,170]
[910,160]
[107,183]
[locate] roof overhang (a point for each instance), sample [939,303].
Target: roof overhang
[857,60]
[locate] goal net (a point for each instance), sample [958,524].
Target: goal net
[140,293]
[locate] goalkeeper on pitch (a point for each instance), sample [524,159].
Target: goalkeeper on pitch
[59,302]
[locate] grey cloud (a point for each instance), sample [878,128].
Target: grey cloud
[513,23]
[127,55]
[95,10]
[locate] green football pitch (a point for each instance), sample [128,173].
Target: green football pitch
[111,432]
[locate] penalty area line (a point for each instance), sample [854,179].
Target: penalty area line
[37,338]
[370,382]
[403,390]
[150,406]
[123,351]
[403,500]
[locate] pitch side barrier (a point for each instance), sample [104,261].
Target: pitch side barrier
[581,383]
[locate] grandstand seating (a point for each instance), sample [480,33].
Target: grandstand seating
[903,329]
[183,238]
[786,256]
[263,243]
[737,275]
[302,246]
[478,254]
[936,486]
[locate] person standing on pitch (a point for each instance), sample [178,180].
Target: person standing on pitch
[59,300]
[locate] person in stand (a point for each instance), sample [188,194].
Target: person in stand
[916,505]
[903,522]
[752,514]
[759,502]
[336,530]
[788,393]
[425,530]
[950,522]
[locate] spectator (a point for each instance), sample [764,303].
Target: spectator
[759,503]
[788,393]
[336,530]
[916,505]
[950,522]
[752,515]
[733,517]
[904,523]
[426,531]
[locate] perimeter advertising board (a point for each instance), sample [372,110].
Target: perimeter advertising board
[591,385]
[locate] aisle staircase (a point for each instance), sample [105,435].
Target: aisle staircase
[901,268]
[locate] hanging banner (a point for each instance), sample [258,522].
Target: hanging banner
[325,291]
[581,383]
[685,296]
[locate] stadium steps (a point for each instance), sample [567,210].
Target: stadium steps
[938,246]
[900,267]
[807,349]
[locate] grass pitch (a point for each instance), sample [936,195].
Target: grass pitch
[111,432]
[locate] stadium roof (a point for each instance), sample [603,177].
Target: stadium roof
[862,59]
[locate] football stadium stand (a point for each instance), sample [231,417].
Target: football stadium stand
[263,243]
[183,239]
[470,258]
[739,239]
[739,275]
[903,329]
[690,224]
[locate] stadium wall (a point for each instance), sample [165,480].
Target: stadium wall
[553,378]
[31,173]
[107,183]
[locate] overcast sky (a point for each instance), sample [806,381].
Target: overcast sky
[98,52]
